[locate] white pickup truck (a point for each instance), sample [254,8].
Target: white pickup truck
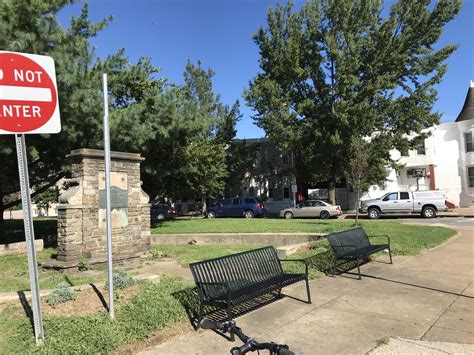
[427,203]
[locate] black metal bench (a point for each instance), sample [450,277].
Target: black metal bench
[227,281]
[354,245]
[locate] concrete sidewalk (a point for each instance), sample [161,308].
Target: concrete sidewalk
[428,297]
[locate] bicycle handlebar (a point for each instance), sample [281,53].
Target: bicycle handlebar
[249,343]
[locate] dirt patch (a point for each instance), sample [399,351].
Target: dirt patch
[90,300]
[160,337]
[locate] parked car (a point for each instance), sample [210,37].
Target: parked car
[312,208]
[426,203]
[159,212]
[247,207]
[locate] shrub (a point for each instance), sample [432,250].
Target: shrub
[122,280]
[61,294]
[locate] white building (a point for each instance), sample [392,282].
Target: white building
[445,162]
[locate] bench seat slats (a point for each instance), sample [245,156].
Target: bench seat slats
[232,279]
[354,244]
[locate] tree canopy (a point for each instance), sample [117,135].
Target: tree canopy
[337,71]
[148,114]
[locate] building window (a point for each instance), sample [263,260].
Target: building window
[470,176]
[468,140]
[286,192]
[421,149]
[270,192]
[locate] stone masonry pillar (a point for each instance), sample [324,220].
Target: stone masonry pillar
[81,212]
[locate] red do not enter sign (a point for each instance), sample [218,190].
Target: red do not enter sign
[28,94]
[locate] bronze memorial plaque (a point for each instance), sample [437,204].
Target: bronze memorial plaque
[118,199]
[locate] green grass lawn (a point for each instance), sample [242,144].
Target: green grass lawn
[406,239]
[14,273]
[154,308]
[14,267]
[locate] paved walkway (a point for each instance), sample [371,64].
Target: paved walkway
[429,297]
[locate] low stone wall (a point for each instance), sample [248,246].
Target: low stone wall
[19,247]
[236,238]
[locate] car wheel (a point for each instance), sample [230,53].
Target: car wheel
[374,213]
[211,214]
[248,214]
[289,215]
[428,212]
[160,217]
[324,215]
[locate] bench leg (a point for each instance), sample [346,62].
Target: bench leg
[201,314]
[333,269]
[230,319]
[358,268]
[307,290]
[390,254]
[279,293]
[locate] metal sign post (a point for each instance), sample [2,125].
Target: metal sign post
[30,236]
[28,104]
[107,193]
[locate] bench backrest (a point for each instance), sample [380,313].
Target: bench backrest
[240,269]
[355,236]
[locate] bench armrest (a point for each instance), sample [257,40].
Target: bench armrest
[202,290]
[305,261]
[380,235]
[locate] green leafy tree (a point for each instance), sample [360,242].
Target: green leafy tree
[32,27]
[336,71]
[44,200]
[148,115]
[240,160]
[207,162]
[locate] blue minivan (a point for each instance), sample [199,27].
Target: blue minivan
[247,207]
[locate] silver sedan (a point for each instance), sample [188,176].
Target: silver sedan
[311,208]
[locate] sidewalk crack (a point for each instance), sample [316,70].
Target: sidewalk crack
[446,309]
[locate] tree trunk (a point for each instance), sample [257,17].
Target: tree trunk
[299,182]
[357,207]
[332,192]
[204,206]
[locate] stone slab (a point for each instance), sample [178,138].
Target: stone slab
[20,247]
[236,238]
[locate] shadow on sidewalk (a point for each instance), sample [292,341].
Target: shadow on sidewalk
[411,285]
[190,301]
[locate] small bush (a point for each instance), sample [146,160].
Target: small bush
[61,294]
[156,253]
[122,280]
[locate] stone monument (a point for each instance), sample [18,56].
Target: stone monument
[81,209]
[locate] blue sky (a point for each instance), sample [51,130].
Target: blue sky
[219,33]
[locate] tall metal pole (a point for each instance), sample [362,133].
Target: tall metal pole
[29,236]
[107,194]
